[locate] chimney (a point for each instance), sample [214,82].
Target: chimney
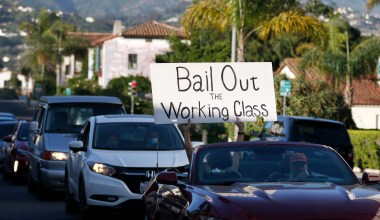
[117,27]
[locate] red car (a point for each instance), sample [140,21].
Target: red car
[16,153]
[263,180]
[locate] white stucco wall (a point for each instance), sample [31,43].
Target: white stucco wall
[26,85]
[289,74]
[115,57]
[365,116]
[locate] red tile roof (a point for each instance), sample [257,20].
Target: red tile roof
[93,37]
[153,29]
[293,65]
[365,91]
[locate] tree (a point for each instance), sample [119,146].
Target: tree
[266,18]
[44,39]
[339,62]
[313,98]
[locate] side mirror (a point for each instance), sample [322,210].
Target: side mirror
[8,138]
[370,178]
[76,146]
[167,178]
[196,143]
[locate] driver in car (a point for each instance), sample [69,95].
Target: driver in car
[298,167]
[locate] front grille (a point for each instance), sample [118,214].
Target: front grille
[132,177]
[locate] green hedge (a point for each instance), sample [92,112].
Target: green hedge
[366,147]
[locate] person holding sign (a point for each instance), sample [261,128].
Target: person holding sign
[189,146]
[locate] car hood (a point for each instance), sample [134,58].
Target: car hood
[141,159]
[58,141]
[294,200]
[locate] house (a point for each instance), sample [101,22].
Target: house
[124,52]
[71,65]
[26,84]
[133,51]
[365,106]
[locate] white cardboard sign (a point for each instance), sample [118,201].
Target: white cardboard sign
[212,92]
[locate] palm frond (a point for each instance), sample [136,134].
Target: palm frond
[214,14]
[372,3]
[294,22]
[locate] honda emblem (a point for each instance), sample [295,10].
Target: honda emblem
[150,173]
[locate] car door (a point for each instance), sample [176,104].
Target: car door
[77,159]
[35,140]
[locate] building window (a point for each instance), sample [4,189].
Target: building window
[132,61]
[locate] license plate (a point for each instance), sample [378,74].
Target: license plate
[143,186]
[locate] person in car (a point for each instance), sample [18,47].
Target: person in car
[112,142]
[294,168]
[298,167]
[151,139]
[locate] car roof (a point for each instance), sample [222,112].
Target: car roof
[123,118]
[7,114]
[80,99]
[8,122]
[281,117]
[7,118]
[260,144]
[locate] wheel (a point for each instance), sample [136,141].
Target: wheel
[85,211]
[70,203]
[42,191]
[32,185]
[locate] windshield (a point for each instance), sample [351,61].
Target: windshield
[320,132]
[70,117]
[224,166]
[137,136]
[6,129]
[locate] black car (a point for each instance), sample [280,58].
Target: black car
[6,128]
[310,129]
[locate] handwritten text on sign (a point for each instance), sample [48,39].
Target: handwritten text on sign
[212,92]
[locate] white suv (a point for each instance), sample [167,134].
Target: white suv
[114,158]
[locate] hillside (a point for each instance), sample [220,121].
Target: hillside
[129,11]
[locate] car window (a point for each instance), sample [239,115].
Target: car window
[23,132]
[69,118]
[320,132]
[137,136]
[220,166]
[6,129]
[271,129]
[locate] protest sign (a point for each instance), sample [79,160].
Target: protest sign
[212,92]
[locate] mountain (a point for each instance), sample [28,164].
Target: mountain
[129,11]
[356,5]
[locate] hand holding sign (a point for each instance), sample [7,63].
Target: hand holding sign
[212,92]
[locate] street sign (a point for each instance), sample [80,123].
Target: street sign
[285,87]
[68,91]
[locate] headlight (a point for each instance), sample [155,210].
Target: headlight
[101,168]
[52,155]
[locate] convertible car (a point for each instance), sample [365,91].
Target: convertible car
[263,180]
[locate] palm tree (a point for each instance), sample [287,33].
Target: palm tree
[338,62]
[371,4]
[263,17]
[44,37]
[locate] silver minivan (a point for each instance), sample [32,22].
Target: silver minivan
[57,121]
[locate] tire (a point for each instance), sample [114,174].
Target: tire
[86,212]
[42,191]
[71,204]
[32,185]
